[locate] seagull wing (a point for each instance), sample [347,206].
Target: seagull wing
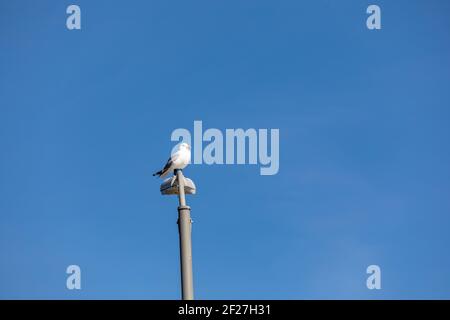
[168,166]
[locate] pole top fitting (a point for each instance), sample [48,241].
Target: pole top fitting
[170,186]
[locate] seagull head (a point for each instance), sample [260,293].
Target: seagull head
[185,146]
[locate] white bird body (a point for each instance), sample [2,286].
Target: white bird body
[178,160]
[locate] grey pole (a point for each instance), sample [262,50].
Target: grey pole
[184,229]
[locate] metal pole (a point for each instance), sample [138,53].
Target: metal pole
[184,229]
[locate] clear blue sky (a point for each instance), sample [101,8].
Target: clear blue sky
[86,118]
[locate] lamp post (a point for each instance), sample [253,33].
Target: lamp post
[180,185]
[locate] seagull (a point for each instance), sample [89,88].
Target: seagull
[178,160]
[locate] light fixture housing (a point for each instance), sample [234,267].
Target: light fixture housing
[170,186]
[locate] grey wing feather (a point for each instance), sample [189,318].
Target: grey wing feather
[168,164]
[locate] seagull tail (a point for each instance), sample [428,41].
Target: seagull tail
[159,173]
[164,173]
